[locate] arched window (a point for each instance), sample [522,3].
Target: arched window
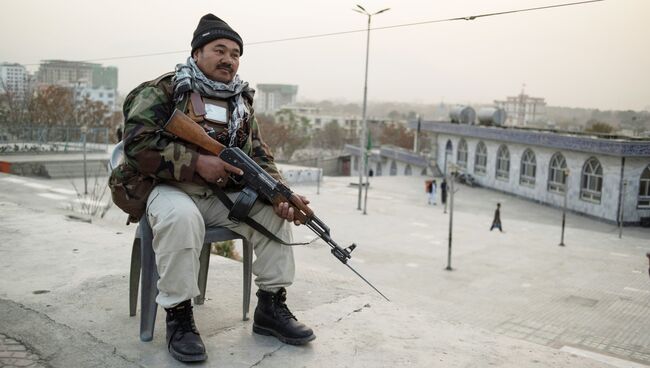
[503,163]
[407,170]
[461,158]
[480,159]
[557,174]
[449,148]
[644,189]
[591,184]
[378,171]
[393,168]
[528,168]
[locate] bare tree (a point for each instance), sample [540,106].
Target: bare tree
[53,105]
[283,138]
[397,135]
[14,106]
[331,136]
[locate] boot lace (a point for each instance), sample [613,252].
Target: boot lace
[282,310]
[185,317]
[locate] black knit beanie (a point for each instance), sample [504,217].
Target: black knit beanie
[210,28]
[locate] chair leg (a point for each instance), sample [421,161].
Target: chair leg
[134,277]
[204,262]
[149,291]
[248,268]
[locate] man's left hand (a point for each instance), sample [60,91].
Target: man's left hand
[286,211]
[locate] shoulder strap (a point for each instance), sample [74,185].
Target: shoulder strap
[248,220]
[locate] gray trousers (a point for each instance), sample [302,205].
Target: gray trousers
[178,221]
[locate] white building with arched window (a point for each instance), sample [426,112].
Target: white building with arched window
[606,178]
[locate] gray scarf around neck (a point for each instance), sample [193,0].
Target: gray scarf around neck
[189,78]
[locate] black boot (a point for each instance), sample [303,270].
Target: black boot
[273,318]
[183,339]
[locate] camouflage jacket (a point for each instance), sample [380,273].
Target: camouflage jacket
[157,153]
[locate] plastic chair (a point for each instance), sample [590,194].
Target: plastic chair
[143,262]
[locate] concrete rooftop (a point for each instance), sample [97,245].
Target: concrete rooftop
[514,299]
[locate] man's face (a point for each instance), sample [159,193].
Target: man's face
[219,59]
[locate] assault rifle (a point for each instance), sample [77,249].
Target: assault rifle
[260,181]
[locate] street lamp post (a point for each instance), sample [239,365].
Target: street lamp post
[364,128]
[451,218]
[566,194]
[620,210]
[84,131]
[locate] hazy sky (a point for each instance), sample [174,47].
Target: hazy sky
[595,55]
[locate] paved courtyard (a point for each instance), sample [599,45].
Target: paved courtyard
[513,299]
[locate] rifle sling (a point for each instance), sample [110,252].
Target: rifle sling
[236,215]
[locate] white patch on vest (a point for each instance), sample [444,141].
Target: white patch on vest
[216,113]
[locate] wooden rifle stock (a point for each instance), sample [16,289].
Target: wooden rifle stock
[188,130]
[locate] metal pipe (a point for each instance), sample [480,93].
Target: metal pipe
[451,222]
[364,127]
[566,194]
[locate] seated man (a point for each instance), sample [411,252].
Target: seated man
[208,89]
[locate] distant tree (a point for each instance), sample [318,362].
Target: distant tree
[397,135]
[53,105]
[394,115]
[594,126]
[13,106]
[91,113]
[412,115]
[332,136]
[283,138]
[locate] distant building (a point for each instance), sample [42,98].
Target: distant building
[14,79]
[69,73]
[523,110]
[270,98]
[87,80]
[104,95]
[391,161]
[104,77]
[606,178]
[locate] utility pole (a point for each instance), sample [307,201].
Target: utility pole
[620,210]
[319,173]
[566,194]
[364,129]
[451,222]
[84,130]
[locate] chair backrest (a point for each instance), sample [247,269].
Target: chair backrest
[117,156]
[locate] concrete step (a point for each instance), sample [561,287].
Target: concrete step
[75,169]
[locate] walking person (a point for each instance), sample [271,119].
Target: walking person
[432,193]
[496,222]
[443,191]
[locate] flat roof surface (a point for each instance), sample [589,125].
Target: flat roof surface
[514,299]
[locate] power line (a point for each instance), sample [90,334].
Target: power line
[322,35]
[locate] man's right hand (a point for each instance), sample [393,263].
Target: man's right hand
[215,170]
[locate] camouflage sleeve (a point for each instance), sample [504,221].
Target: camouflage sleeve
[148,147]
[261,153]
